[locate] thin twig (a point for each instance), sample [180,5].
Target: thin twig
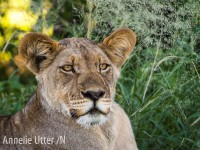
[9,41]
[196,69]
[152,69]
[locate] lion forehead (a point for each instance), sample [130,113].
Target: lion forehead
[77,42]
[82,47]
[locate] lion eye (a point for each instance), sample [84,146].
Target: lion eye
[67,68]
[103,66]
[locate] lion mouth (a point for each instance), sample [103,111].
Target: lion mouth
[92,111]
[91,116]
[95,111]
[82,107]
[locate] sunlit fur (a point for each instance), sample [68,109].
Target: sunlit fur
[59,106]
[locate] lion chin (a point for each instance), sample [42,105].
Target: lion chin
[93,117]
[88,120]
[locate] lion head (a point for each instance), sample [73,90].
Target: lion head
[75,75]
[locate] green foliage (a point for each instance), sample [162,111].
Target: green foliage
[166,114]
[14,94]
[152,20]
[159,85]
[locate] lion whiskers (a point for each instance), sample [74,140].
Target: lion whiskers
[80,104]
[104,103]
[85,103]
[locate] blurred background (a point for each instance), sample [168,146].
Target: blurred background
[159,87]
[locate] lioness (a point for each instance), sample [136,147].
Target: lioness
[73,107]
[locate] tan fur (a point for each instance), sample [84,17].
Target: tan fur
[63,104]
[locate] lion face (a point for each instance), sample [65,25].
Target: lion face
[81,81]
[75,75]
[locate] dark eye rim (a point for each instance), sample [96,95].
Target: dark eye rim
[106,68]
[67,71]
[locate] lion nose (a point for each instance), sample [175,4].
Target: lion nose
[93,95]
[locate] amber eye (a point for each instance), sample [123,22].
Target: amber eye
[104,66]
[67,68]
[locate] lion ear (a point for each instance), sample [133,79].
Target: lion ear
[37,51]
[119,45]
